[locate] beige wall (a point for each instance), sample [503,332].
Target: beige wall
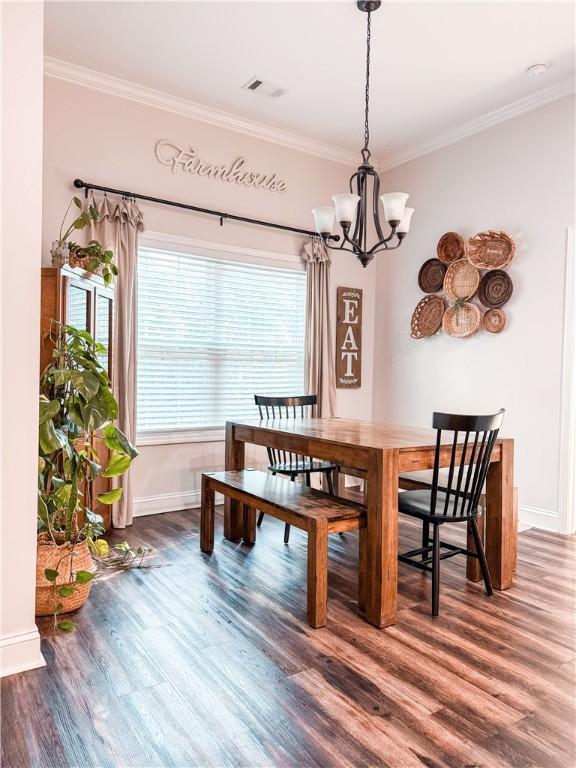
[519,177]
[22,48]
[110,140]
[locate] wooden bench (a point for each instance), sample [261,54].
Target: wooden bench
[312,511]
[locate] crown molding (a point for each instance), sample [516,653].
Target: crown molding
[115,86]
[89,78]
[490,119]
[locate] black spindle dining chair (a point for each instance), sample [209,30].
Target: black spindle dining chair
[284,462]
[457,499]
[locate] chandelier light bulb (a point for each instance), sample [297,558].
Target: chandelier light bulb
[346,205]
[324,219]
[394,204]
[404,227]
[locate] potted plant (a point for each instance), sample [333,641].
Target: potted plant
[75,401]
[92,257]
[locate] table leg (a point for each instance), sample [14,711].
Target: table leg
[382,538]
[249,533]
[501,529]
[234,459]
[473,571]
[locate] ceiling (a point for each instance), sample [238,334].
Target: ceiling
[436,66]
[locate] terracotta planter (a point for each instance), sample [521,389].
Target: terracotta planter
[65,559]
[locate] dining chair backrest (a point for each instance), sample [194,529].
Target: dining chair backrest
[473,441]
[299,407]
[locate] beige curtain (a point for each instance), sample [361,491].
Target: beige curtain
[117,228]
[319,350]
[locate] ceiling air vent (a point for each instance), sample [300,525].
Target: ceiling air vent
[256,85]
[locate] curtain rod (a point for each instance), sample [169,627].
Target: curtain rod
[79,184]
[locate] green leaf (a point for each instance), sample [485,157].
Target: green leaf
[83,577]
[93,518]
[50,574]
[43,515]
[58,608]
[67,626]
[51,439]
[117,441]
[81,221]
[87,384]
[110,497]
[77,202]
[66,591]
[117,465]
[110,402]
[72,504]
[48,409]
[95,413]
[61,376]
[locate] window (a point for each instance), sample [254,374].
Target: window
[212,332]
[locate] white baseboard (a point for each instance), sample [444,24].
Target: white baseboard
[169,502]
[534,517]
[20,652]
[166,502]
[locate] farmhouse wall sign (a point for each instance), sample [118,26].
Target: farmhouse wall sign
[348,338]
[180,159]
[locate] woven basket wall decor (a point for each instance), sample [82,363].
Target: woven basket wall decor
[491,250]
[451,247]
[494,320]
[495,288]
[59,558]
[427,317]
[461,281]
[461,320]
[431,276]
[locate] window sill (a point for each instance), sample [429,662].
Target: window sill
[179,437]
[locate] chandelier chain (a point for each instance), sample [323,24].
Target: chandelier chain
[366,152]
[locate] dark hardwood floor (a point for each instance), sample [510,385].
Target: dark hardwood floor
[209,661]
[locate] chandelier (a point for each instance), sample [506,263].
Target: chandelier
[352,209]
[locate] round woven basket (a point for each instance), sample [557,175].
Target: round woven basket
[461,281]
[491,250]
[431,276]
[494,320]
[427,317]
[495,288]
[61,558]
[451,247]
[461,320]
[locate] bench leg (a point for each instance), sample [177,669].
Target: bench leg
[362,550]
[207,517]
[317,591]
[249,525]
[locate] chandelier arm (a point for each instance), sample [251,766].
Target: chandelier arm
[358,177]
[339,248]
[382,247]
[375,211]
[351,241]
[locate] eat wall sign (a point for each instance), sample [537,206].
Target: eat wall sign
[348,338]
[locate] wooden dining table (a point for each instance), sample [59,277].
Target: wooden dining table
[380,453]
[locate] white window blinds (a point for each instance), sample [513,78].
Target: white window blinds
[212,333]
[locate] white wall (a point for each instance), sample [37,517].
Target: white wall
[22,50]
[110,140]
[518,177]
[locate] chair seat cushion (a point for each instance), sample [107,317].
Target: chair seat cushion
[304,464]
[417,504]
